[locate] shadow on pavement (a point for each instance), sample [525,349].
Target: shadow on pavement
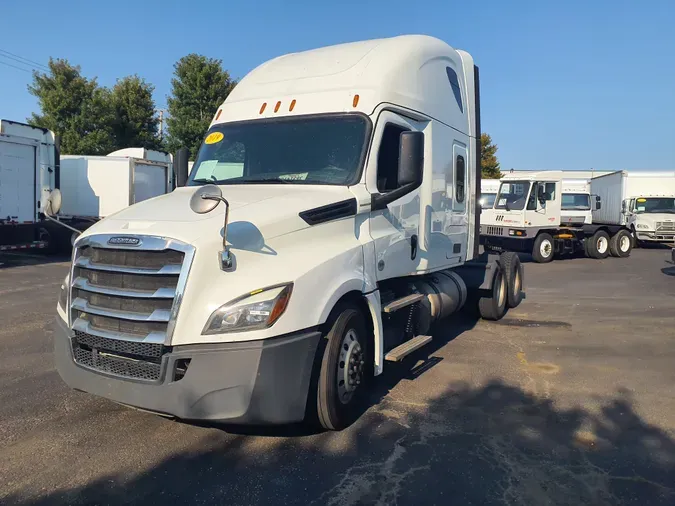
[495,444]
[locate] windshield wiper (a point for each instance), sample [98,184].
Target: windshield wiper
[263,180]
[212,179]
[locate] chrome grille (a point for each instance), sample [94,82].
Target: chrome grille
[665,226]
[126,298]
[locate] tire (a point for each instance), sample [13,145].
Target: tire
[338,405]
[493,306]
[513,271]
[621,244]
[598,245]
[543,249]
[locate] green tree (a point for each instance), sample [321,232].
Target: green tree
[133,114]
[199,87]
[488,158]
[74,107]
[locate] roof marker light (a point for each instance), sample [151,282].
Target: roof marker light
[355,102]
[262,108]
[292,106]
[218,114]
[276,107]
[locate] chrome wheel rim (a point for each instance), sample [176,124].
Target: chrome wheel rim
[545,248]
[350,366]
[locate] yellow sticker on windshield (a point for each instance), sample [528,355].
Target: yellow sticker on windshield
[642,200]
[214,137]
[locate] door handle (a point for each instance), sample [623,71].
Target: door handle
[413,247]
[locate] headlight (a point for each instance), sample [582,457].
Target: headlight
[256,310]
[63,294]
[644,227]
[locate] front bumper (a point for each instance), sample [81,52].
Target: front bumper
[256,382]
[658,236]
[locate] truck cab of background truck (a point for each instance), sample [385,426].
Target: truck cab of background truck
[330,185]
[575,207]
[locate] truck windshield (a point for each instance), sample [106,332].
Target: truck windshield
[487,200]
[512,195]
[655,205]
[323,150]
[576,202]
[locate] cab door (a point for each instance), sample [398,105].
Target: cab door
[394,229]
[543,204]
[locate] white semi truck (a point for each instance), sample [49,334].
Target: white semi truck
[527,217]
[644,202]
[29,173]
[488,192]
[330,218]
[575,206]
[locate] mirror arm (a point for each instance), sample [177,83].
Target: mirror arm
[226,261]
[381,200]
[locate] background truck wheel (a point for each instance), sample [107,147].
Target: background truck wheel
[513,272]
[598,245]
[543,250]
[621,244]
[493,306]
[345,370]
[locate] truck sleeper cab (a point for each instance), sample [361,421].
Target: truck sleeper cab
[329,220]
[528,217]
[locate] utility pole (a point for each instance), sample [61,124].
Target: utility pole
[161,124]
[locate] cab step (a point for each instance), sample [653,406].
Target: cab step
[406,301]
[402,350]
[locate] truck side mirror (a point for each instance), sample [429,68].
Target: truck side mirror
[623,206]
[541,193]
[598,202]
[411,158]
[180,166]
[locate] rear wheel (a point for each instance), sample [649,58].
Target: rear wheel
[621,244]
[543,250]
[513,271]
[598,245]
[345,370]
[493,306]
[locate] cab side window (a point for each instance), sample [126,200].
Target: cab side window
[532,200]
[387,158]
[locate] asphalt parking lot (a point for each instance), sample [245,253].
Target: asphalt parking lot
[569,400]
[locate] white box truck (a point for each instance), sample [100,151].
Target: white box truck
[29,173]
[330,218]
[528,217]
[94,187]
[644,202]
[488,192]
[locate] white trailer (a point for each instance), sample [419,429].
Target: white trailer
[644,202]
[488,192]
[527,217]
[94,187]
[330,217]
[29,172]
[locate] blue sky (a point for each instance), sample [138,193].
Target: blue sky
[565,84]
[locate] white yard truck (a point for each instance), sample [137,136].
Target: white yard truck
[29,173]
[94,187]
[330,218]
[527,217]
[488,192]
[644,202]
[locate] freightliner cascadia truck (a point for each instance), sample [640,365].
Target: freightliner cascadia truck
[329,222]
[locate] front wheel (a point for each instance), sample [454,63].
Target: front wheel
[542,251]
[345,370]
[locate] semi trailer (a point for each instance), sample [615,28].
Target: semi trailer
[29,173]
[329,222]
[528,217]
[643,202]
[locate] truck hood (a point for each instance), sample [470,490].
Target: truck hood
[255,210]
[650,219]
